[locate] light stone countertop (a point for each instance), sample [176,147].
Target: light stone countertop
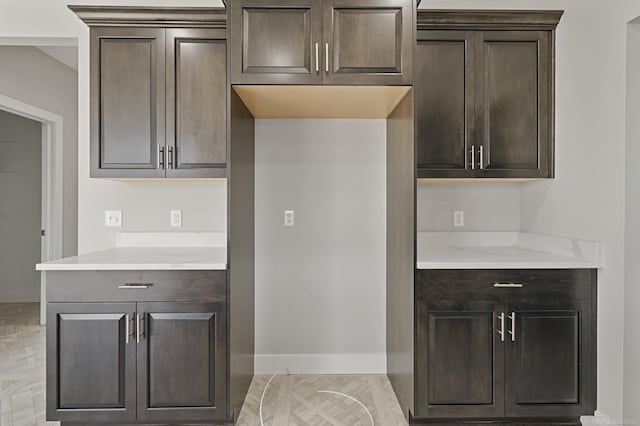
[192,251]
[504,250]
[143,258]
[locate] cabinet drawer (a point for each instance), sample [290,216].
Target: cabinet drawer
[106,286]
[508,284]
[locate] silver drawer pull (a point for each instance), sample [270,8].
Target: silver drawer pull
[508,285]
[132,286]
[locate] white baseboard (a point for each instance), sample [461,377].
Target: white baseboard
[602,419]
[362,363]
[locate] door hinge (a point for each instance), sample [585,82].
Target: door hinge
[43,233]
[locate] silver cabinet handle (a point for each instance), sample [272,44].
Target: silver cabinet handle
[137,328]
[326,56]
[134,286]
[160,157]
[473,157]
[512,317]
[126,328]
[501,331]
[317,57]
[508,285]
[481,163]
[170,163]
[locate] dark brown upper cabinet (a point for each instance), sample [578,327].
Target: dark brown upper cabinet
[196,85]
[335,42]
[127,102]
[276,42]
[485,84]
[158,92]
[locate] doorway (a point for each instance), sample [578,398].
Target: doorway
[20,210]
[48,193]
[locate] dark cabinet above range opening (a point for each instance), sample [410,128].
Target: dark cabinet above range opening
[337,42]
[484,85]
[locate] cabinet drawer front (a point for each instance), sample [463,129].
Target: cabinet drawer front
[123,286]
[508,284]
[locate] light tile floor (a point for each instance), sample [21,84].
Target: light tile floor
[290,400]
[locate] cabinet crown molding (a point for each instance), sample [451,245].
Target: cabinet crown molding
[164,17]
[542,20]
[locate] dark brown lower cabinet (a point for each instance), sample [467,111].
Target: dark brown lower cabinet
[121,350]
[549,359]
[136,362]
[181,361]
[463,359]
[91,364]
[514,347]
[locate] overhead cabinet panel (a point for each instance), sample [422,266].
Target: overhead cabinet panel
[485,94]
[276,42]
[340,42]
[444,86]
[367,41]
[158,102]
[513,103]
[196,102]
[127,111]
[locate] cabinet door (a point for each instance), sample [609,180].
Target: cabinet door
[274,41]
[514,103]
[91,362]
[460,359]
[367,42]
[444,91]
[127,102]
[196,69]
[549,362]
[182,361]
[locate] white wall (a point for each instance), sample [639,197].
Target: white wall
[320,285]
[20,213]
[486,206]
[35,78]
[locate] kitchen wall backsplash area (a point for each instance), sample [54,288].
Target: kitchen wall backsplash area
[147,206]
[486,206]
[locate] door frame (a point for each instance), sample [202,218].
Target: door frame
[52,185]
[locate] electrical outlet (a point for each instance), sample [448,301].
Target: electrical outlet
[113,218]
[458,218]
[289,218]
[176,218]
